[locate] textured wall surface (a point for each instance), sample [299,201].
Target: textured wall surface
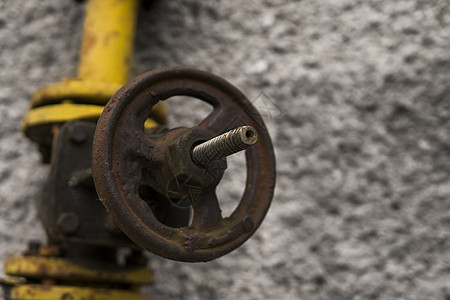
[360,120]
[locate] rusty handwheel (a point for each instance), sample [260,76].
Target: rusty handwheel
[134,169]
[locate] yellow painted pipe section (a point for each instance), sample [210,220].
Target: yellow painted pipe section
[107,47]
[85,92]
[68,270]
[75,90]
[108,38]
[60,113]
[58,292]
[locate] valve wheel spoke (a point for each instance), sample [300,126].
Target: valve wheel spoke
[207,212]
[221,119]
[140,146]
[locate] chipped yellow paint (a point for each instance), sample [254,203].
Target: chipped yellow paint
[85,92]
[71,270]
[76,90]
[58,292]
[60,113]
[108,38]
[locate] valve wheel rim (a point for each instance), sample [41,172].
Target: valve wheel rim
[132,103]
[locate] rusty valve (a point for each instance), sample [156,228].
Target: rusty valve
[147,181]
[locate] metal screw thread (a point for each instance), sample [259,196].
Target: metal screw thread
[223,145]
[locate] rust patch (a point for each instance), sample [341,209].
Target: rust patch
[43,269]
[89,41]
[110,36]
[67,296]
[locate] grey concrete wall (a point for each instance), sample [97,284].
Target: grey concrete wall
[361,132]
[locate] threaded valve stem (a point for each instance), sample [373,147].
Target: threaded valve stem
[223,145]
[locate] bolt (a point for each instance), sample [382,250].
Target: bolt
[111,226]
[223,145]
[50,250]
[33,248]
[136,258]
[68,223]
[247,224]
[78,134]
[81,177]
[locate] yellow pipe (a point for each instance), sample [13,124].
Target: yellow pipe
[107,46]
[108,39]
